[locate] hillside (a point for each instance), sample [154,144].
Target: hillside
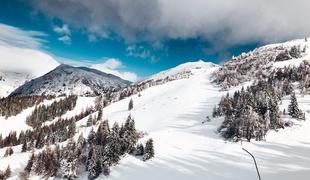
[66,79]
[187,145]
[260,62]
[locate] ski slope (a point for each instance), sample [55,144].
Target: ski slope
[188,147]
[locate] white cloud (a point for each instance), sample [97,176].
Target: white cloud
[14,36]
[24,60]
[114,66]
[65,33]
[19,52]
[62,30]
[65,39]
[221,22]
[141,52]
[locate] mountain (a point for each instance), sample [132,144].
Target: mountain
[19,65]
[9,81]
[182,70]
[66,79]
[177,113]
[260,62]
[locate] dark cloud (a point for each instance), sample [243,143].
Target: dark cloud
[221,22]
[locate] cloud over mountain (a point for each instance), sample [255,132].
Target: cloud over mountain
[229,22]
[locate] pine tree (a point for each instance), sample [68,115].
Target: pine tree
[102,133]
[8,152]
[275,121]
[89,121]
[7,172]
[94,166]
[293,109]
[149,150]
[129,135]
[30,163]
[99,117]
[24,147]
[130,105]
[139,150]
[68,166]
[91,138]
[113,148]
[71,129]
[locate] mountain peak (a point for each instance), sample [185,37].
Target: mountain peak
[66,79]
[184,69]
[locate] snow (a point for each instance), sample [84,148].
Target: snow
[66,79]
[182,69]
[18,123]
[187,146]
[292,62]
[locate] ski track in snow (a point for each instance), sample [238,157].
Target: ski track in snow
[188,147]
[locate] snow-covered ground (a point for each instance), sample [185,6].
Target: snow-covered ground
[188,147]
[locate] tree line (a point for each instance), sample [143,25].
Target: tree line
[47,134]
[12,106]
[102,149]
[251,112]
[43,113]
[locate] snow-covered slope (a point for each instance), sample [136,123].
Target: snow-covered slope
[181,71]
[261,61]
[186,145]
[9,81]
[66,79]
[18,65]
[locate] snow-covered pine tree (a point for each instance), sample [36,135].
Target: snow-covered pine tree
[130,105]
[293,109]
[89,121]
[68,166]
[112,150]
[8,152]
[7,173]
[71,129]
[94,168]
[30,163]
[91,138]
[139,150]
[99,117]
[128,135]
[275,121]
[149,150]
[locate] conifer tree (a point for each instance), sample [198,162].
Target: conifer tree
[149,150]
[139,150]
[89,121]
[130,105]
[293,109]
[30,163]
[7,172]
[8,152]
[91,138]
[113,149]
[94,166]
[24,147]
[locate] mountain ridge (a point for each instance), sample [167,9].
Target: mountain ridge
[66,79]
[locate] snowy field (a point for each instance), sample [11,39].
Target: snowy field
[187,146]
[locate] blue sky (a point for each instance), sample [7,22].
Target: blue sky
[141,35]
